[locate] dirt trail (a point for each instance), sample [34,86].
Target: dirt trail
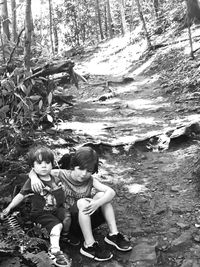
[157,196]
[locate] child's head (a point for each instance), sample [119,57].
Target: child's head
[39,154]
[41,159]
[85,158]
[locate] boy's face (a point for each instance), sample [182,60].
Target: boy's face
[82,174]
[42,168]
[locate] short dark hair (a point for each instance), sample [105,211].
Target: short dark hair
[40,153]
[85,158]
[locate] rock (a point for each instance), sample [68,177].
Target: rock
[143,252]
[175,188]
[182,241]
[190,263]
[183,226]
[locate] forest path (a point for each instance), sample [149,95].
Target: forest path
[157,198]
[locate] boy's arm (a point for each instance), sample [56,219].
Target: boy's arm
[36,184]
[108,195]
[16,201]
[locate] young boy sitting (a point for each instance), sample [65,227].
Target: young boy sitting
[47,208]
[88,211]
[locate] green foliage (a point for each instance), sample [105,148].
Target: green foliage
[21,104]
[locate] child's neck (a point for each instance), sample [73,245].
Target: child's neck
[45,178]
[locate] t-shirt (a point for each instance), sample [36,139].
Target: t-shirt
[49,199]
[74,190]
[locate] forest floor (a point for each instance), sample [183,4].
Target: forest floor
[154,173]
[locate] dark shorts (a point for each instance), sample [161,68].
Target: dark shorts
[97,218]
[48,219]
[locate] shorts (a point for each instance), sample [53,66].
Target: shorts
[97,218]
[49,219]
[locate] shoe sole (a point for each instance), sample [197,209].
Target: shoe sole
[115,245]
[93,257]
[52,257]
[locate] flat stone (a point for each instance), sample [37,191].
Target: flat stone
[144,252]
[183,240]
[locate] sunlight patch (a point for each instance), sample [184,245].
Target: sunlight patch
[145,104]
[136,188]
[84,127]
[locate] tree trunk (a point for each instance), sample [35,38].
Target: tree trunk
[4,18]
[193,10]
[110,28]
[144,24]
[14,20]
[55,31]
[155,5]
[123,19]
[189,30]
[99,19]
[105,21]
[28,32]
[51,26]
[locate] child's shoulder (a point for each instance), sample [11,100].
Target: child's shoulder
[61,173]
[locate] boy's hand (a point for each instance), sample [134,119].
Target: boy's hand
[6,211]
[36,183]
[37,186]
[92,206]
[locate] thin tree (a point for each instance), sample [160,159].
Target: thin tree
[4,18]
[14,23]
[122,13]
[99,19]
[51,26]
[110,28]
[28,33]
[189,30]
[55,29]
[144,24]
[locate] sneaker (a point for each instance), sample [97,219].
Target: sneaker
[96,252]
[59,259]
[70,239]
[118,241]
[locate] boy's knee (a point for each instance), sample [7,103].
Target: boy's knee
[57,228]
[82,203]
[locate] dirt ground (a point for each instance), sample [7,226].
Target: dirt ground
[157,190]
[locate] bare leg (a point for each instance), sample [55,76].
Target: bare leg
[109,214]
[55,237]
[85,223]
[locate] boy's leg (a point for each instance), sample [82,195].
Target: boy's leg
[54,227]
[85,223]
[65,216]
[109,215]
[55,237]
[114,238]
[90,247]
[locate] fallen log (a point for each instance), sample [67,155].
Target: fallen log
[52,68]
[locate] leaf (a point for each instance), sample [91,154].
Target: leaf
[32,81]
[49,118]
[23,88]
[50,97]
[40,104]
[5,109]
[35,97]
